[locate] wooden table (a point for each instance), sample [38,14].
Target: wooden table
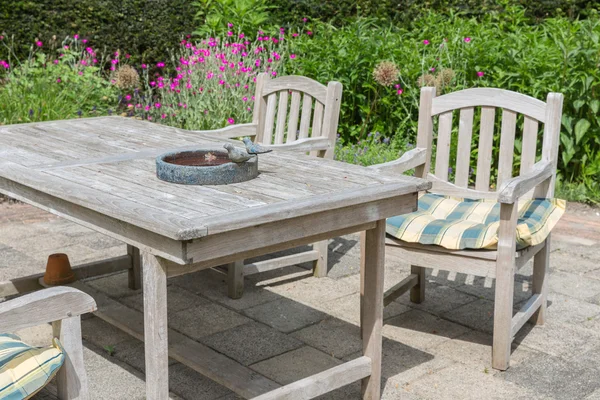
[100,173]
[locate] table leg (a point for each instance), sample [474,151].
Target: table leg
[372,270]
[135,272]
[155,327]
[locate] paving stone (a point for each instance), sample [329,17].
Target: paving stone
[115,285]
[285,315]
[475,349]
[332,336]
[572,263]
[344,256]
[40,336]
[574,285]
[594,396]
[251,343]
[462,382]
[213,285]
[101,333]
[98,241]
[16,264]
[347,308]
[555,376]
[131,352]
[477,315]
[421,330]
[558,339]
[438,299]
[295,365]
[316,290]
[189,384]
[204,320]
[178,299]
[569,310]
[485,288]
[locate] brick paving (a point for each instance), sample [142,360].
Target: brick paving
[290,325]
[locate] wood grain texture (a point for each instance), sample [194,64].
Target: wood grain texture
[409,160]
[463,152]
[267,136]
[486,143]
[489,97]
[44,306]
[293,82]
[71,379]
[507,146]
[442,155]
[425,129]
[306,116]
[281,117]
[516,187]
[155,327]
[539,281]
[292,133]
[372,307]
[529,143]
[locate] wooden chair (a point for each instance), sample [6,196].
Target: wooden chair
[309,125]
[536,178]
[62,306]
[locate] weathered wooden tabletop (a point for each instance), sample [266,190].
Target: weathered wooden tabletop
[101,172]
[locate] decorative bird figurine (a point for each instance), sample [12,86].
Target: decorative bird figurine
[254,148]
[236,155]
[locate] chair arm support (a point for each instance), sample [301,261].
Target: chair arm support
[516,187]
[307,144]
[409,160]
[47,305]
[232,131]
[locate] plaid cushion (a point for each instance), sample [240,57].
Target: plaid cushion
[24,370]
[473,224]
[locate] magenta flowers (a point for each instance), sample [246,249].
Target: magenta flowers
[39,43]
[480,74]
[230,121]
[467,39]
[425,42]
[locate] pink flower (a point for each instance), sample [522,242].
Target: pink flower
[160,65]
[245,86]
[152,83]
[1,37]
[221,82]
[144,66]
[163,116]
[66,47]
[55,61]
[115,61]
[304,19]
[231,121]
[128,97]
[432,69]
[241,35]
[229,33]
[467,39]
[294,34]
[84,41]
[127,56]
[58,80]
[147,108]
[80,72]
[95,61]
[244,98]
[399,92]
[229,25]
[274,73]
[425,42]
[157,105]
[308,33]
[76,37]
[480,74]
[39,43]
[292,56]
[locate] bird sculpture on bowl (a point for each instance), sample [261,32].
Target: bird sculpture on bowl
[237,155]
[255,148]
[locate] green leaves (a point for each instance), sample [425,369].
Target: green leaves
[581,127]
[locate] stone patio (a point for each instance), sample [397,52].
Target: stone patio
[290,325]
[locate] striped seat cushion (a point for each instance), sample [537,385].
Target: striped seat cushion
[24,370]
[458,224]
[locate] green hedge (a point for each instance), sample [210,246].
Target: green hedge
[146,29]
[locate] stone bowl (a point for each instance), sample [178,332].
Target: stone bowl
[204,167]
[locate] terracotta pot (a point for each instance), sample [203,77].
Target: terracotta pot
[58,270]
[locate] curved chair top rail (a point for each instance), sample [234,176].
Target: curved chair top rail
[490,97]
[299,83]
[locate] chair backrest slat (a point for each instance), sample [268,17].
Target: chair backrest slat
[306,114]
[317,121]
[442,156]
[484,153]
[294,116]
[463,152]
[269,119]
[469,101]
[507,146]
[529,144]
[281,117]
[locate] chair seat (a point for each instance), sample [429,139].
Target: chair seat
[25,370]
[458,224]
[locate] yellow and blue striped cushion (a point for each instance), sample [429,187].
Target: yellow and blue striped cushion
[24,370]
[458,224]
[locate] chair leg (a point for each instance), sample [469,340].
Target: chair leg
[320,268]
[235,279]
[505,286]
[541,262]
[417,292]
[71,380]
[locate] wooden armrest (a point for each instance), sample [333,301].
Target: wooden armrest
[409,160]
[307,144]
[47,305]
[232,131]
[516,187]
